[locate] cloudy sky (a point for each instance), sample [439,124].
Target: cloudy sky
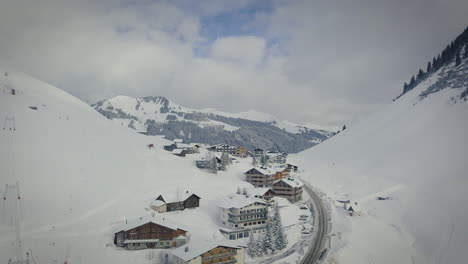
[321,62]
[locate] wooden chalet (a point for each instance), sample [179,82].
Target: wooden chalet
[209,252]
[168,203]
[150,233]
[259,177]
[289,188]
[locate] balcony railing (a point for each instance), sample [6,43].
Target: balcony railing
[223,255]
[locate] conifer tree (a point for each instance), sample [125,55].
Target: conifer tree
[238,190]
[457,59]
[405,87]
[268,239]
[420,75]
[254,161]
[429,67]
[264,160]
[280,236]
[466,51]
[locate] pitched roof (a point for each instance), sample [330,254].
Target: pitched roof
[238,201]
[194,249]
[292,182]
[162,221]
[258,191]
[175,196]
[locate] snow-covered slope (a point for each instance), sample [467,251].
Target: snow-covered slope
[160,116]
[81,176]
[413,151]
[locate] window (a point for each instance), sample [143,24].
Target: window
[232,237]
[246,234]
[240,235]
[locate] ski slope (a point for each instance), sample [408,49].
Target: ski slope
[81,176]
[414,152]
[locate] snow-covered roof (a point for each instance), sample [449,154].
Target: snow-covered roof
[268,170]
[159,220]
[157,203]
[192,250]
[177,151]
[183,145]
[238,201]
[178,140]
[258,191]
[172,197]
[295,183]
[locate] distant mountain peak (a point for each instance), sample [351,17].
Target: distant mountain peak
[157,115]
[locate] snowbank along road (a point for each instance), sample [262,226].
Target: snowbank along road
[316,251]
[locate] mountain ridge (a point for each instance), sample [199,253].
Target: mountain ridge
[157,115]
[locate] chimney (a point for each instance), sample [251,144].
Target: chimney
[186,249]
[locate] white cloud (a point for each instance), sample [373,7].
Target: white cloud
[247,50]
[329,65]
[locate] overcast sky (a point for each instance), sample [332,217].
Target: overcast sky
[321,62]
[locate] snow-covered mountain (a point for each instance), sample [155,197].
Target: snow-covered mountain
[160,116]
[413,152]
[81,176]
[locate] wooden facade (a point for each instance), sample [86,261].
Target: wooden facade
[282,189]
[191,201]
[259,179]
[148,235]
[219,255]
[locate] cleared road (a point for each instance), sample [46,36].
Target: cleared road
[317,250]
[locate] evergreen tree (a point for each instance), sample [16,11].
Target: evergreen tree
[252,247]
[466,51]
[244,191]
[405,87]
[254,161]
[238,190]
[420,75]
[214,165]
[280,236]
[264,160]
[457,59]
[225,161]
[429,67]
[269,239]
[344,127]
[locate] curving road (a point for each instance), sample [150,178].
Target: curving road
[317,250]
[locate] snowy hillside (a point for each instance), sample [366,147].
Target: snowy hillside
[414,153]
[82,176]
[160,116]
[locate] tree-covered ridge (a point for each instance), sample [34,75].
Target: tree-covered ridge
[452,52]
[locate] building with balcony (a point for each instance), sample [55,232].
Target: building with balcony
[209,252]
[289,188]
[149,232]
[242,216]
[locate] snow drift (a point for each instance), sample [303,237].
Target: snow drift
[414,152]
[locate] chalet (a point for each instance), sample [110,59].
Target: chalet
[264,193]
[258,153]
[170,147]
[150,232]
[179,152]
[209,252]
[189,148]
[281,173]
[259,177]
[292,167]
[168,203]
[277,157]
[223,148]
[243,216]
[202,164]
[241,152]
[289,188]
